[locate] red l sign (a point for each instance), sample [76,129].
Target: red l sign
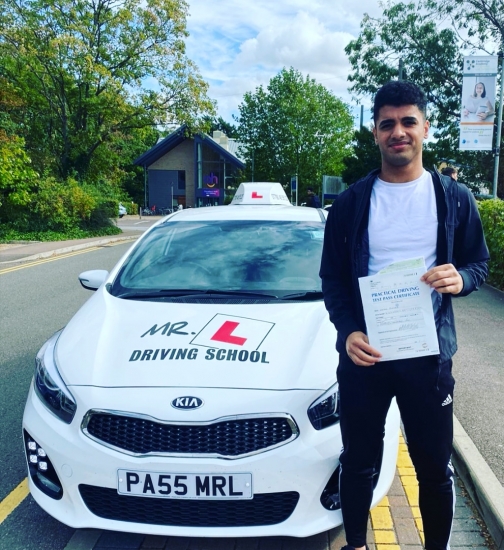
[225,334]
[256,196]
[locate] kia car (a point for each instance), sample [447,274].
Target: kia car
[195,392]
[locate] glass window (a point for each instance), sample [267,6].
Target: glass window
[272,257]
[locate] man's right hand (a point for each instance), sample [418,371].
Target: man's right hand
[359,350]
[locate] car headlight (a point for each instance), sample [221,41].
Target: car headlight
[49,385]
[324,412]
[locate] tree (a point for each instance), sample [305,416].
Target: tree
[429,57]
[92,73]
[294,126]
[17,178]
[366,156]
[480,22]
[416,37]
[218,123]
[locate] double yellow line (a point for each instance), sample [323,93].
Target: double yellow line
[13,499]
[58,257]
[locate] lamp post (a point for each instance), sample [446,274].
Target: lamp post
[499,131]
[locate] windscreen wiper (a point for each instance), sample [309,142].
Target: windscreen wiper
[191,293]
[308,295]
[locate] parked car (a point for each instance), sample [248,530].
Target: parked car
[194,394]
[122,210]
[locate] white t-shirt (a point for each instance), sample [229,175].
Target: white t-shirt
[403,224]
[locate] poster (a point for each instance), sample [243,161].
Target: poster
[477,110]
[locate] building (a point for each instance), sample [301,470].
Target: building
[190,171]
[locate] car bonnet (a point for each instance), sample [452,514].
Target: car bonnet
[114,342]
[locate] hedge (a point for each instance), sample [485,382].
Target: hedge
[492,217]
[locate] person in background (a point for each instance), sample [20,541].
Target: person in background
[397,212]
[451,172]
[312,199]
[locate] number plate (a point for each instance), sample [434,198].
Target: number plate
[195,486]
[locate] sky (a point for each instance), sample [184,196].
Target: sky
[239,45]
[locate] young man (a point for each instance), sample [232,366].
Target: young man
[398,212]
[450,172]
[312,199]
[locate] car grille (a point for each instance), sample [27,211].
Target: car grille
[223,438]
[263,509]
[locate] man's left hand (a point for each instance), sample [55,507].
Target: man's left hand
[444,278]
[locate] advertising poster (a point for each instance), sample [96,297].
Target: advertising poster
[477,113]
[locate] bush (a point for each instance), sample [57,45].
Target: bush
[492,217]
[69,209]
[131,208]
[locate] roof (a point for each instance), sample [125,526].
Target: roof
[273,212]
[176,138]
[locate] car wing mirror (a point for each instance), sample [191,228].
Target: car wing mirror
[92,280]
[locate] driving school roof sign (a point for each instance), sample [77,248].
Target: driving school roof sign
[260,193]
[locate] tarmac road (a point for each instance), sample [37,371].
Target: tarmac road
[479,373]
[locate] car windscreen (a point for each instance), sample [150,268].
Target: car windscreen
[271,257]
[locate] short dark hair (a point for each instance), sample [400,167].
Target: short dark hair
[398,93]
[448,171]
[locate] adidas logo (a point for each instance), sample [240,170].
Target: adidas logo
[447,401]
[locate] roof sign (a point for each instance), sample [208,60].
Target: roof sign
[260,193]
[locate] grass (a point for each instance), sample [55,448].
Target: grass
[9,235]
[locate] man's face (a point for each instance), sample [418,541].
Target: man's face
[399,133]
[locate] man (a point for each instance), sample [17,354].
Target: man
[450,172]
[312,199]
[399,211]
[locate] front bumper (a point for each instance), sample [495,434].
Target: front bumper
[303,466]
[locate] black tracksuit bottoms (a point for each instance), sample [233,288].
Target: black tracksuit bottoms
[423,389]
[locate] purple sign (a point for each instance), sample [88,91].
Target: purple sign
[211,192]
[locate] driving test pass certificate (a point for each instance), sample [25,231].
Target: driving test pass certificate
[398,312]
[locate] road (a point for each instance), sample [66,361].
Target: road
[34,303]
[478,369]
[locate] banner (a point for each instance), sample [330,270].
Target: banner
[477,113]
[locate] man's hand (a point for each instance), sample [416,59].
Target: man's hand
[359,350]
[444,278]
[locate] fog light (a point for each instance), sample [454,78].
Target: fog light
[41,470]
[330,497]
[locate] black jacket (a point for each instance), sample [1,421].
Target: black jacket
[345,255]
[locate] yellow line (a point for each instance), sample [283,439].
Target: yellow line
[47,260]
[13,500]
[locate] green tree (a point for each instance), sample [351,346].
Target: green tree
[365,157]
[17,177]
[429,56]
[418,38]
[91,74]
[480,22]
[218,123]
[294,126]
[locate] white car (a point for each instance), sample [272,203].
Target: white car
[195,393]
[122,210]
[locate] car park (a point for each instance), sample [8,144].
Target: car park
[194,393]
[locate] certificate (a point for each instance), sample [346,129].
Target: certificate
[398,311]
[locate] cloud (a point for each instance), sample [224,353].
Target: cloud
[239,45]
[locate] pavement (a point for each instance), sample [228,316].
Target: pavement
[394,524]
